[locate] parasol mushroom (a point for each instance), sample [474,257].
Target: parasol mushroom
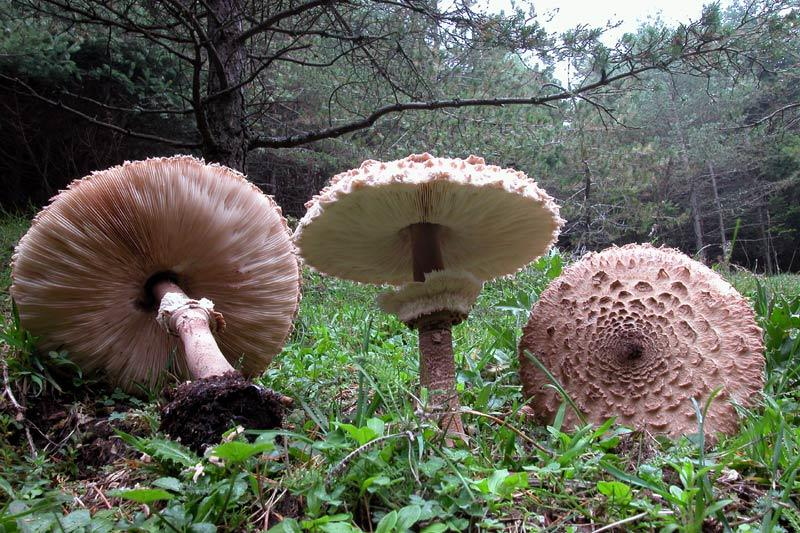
[635,332]
[437,226]
[171,238]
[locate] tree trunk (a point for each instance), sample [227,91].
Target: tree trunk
[697,223]
[687,170]
[770,247]
[723,241]
[225,109]
[584,239]
[587,191]
[762,223]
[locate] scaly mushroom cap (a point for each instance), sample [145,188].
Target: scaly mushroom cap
[79,274]
[635,332]
[494,221]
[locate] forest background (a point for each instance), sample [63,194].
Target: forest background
[685,135]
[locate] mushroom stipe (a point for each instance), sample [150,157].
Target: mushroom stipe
[193,323]
[437,371]
[426,253]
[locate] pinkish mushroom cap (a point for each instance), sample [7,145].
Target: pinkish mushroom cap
[636,332]
[81,273]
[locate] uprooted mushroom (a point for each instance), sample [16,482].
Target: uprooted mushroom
[636,332]
[133,264]
[439,227]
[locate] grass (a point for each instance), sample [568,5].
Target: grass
[12,227]
[747,283]
[357,454]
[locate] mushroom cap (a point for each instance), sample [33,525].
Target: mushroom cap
[635,332]
[79,274]
[494,221]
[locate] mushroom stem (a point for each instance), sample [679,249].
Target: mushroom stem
[425,250]
[437,373]
[203,357]
[437,370]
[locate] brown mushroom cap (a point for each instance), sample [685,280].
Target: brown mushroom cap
[635,332]
[80,273]
[493,221]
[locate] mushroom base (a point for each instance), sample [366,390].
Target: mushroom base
[200,411]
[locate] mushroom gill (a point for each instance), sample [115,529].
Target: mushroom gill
[90,274]
[636,332]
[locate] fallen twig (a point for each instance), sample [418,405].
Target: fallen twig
[20,410]
[505,424]
[344,463]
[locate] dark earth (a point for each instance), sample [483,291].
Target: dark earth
[77,418]
[200,411]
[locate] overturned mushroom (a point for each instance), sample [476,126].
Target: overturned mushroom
[636,332]
[437,226]
[195,245]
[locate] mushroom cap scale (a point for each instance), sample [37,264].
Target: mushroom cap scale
[79,274]
[635,332]
[493,221]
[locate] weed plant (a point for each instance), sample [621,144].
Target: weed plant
[359,454]
[12,227]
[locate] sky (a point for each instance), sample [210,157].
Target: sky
[569,13]
[559,15]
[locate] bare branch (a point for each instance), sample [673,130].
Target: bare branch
[132,110]
[202,38]
[767,118]
[369,120]
[267,24]
[197,100]
[31,92]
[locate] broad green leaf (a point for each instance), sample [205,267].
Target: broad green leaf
[288,525]
[76,519]
[361,435]
[716,506]
[431,466]
[142,495]
[202,527]
[377,426]
[512,483]
[407,517]
[236,451]
[387,523]
[5,486]
[325,520]
[168,450]
[169,483]
[618,493]
[339,527]
[377,481]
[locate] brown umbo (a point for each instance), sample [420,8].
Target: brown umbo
[437,226]
[636,332]
[164,244]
